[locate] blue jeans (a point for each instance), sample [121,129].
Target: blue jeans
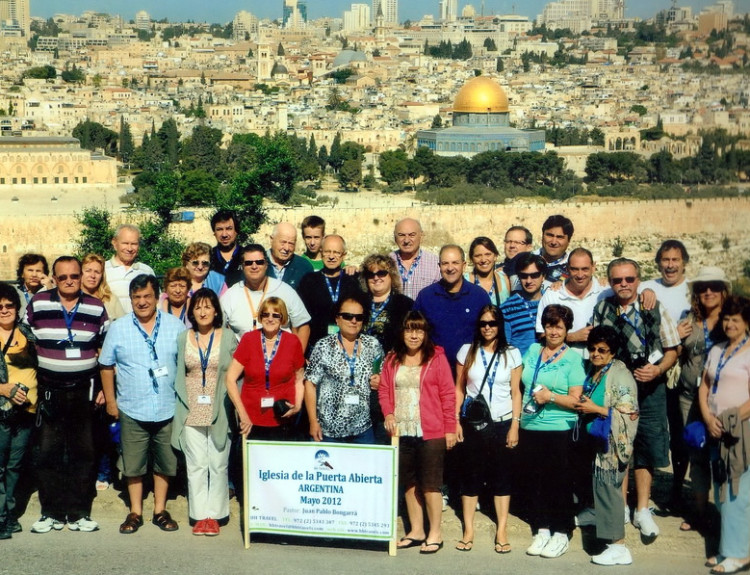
[735,520]
[366,438]
[14,440]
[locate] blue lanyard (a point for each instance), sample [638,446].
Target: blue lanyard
[708,342]
[182,313]
[334,294]
[204,359]
[25,293]
[490,378]
[723,362]
[634,325]
[219,258]
[269,360]
[351,360]
[69,317]
[589,386]
[376,310]
[406,276]
[540,365]
[150,341]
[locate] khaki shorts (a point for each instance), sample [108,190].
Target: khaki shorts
[142,441]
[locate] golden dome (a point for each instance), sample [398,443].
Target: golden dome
[479,96]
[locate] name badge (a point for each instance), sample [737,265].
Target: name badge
[351,399]
[655,357]
[204,400]
[161,371]
[266,402]
[333,329]
[73,353]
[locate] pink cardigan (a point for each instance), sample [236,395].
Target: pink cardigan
[437,394]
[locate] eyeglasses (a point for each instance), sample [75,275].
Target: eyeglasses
[491,323]
[715,287]
[7,306]
[626,279]
[71,277]
[267,314]
[515,243]
[358,317]
[601,350]
[248,263]
[414,330]
[200,263]
[378,274]
[531,275]
[334,253]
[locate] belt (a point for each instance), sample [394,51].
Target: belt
[505,417]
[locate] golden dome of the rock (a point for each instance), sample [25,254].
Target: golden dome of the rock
[481,95]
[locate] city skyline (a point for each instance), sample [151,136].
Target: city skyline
[196,10]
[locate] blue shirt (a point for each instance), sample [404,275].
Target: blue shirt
[519,316]
[140,396]
[453,316]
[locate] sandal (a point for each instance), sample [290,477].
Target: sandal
[409,542]
[131,524]
[465,545]
[163,520]
[730,565]
[502,548]
[714,561]
[426,550]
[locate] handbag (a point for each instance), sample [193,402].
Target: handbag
[694,434]
[599,430]
[475,413]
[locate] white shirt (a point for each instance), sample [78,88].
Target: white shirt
[500,401]
[674,299]
[119,277]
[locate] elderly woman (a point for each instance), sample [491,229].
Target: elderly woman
[200,428]
[553,380]
[492,368]
[33,275]
[483,254]
[272,362]
[18,394]
[609,395]
[196,259]
[724,398]
[700,331]
[419,402]
[94,283]
[340,376]
[175,299]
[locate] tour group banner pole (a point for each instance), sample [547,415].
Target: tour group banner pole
[313,489]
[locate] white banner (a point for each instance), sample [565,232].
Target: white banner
[321,489]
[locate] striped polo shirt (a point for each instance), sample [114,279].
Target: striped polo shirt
[58,366]
[520,319]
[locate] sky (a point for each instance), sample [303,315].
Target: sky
[223,11]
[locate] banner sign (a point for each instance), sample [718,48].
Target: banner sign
[321,489]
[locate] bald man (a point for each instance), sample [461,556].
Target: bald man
[284,263]
[418,268]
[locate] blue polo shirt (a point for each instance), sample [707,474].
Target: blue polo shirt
[519,315]
[453,316]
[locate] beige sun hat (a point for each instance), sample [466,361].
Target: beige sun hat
[711,274]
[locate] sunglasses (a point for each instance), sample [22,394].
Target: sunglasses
[200,263]
[378,274]
[491,323]
[602,350]
[7,306]
[248,263]
[71,277]
[626,279]
[531,275]
[358,317]
[703,287]
[267,314]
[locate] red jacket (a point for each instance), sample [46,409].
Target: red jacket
[437,394]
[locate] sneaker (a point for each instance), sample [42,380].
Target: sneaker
[84,524]
[643,521]
[212,527]
[538,543]
[102,485]
[445,502]
[614,554]
[200,527]
[627,515]
[46,524]
[557,545]
[586,518]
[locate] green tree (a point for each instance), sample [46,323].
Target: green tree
[46,72]
[244,199]
[95,234]
[126,144]
[73,75]
[393,166]
[437,122]
[202,151]
[93,135]
[639,109]
[198,188]
[169,137]
[499,67]
[280,50]
[164,197]
[350,174]
[335,160]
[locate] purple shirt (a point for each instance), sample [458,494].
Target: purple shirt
[421,274]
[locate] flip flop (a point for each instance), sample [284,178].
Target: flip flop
[504,548]
[465,545]
[411,542]
[438,547]
[730,565]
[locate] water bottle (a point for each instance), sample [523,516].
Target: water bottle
[532,406]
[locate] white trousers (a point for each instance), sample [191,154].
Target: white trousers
[208,494]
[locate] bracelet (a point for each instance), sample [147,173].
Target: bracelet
[552,397]
[518,419]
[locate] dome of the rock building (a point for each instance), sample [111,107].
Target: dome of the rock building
[481,95]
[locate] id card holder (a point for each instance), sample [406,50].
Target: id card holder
[161,371]
[351,399]
[266,402]
[204,400]
[333,329]
[655,357]
[72,353]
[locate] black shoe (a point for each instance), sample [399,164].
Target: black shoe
[5,532]
[15,526]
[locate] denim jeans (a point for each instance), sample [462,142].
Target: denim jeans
[366,438]
[14,440]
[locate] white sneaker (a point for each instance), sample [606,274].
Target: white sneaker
[586,518]
[446,500]
[643,520]
[627,515]
[538,543]
[84,524]
[46,524]
[614,554]
[556,546]
[101,485]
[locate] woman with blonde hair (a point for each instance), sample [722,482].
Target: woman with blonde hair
[94,282]
[196,259]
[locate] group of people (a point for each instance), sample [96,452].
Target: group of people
[525,377]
